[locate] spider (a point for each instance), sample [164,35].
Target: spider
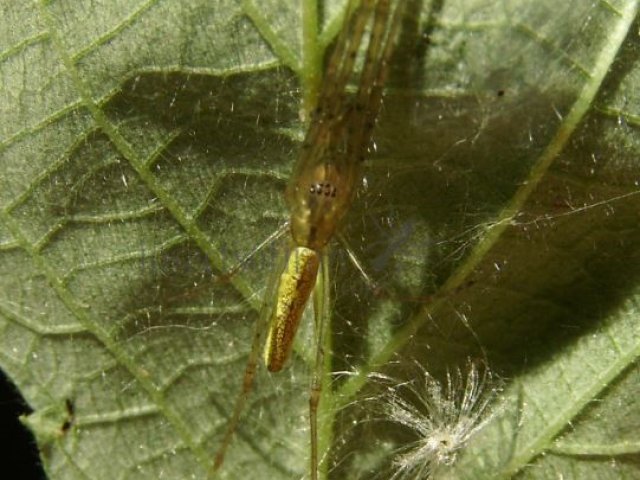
[321,190]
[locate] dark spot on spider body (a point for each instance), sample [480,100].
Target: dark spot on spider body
[326,189]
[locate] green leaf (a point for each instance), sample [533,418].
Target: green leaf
[144,148]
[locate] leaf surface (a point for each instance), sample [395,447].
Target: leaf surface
[144,148]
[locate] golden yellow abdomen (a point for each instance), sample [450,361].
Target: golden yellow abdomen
[294,288]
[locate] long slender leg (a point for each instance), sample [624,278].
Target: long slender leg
[282,229]
[368,279]
[250,368]
[241,400]
[252,361]
[322,310]
[377,289]
[226,276]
